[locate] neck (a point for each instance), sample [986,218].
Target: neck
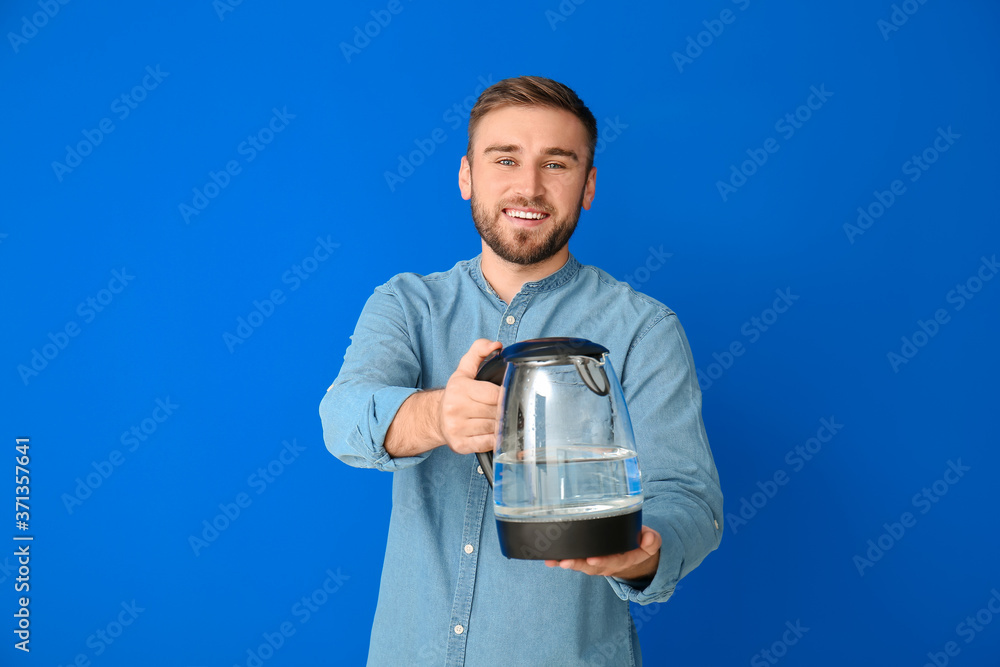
[506,278]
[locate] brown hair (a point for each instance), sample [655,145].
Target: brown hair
[533,91]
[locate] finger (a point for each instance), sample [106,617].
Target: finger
[651,541]
[481,348]
[484,393]
[471,428]
[614,563]
[474,444]
[649,544]
[457,405]
[582,565]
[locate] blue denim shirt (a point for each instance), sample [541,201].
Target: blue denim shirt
[447,595]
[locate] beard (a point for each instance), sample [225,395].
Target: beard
[524,246]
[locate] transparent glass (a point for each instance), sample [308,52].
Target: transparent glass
[565,447]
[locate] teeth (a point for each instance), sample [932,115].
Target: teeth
[525,215]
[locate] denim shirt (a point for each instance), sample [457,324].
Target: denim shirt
[447,594]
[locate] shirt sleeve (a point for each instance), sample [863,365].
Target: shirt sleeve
[682,496]
[380,371]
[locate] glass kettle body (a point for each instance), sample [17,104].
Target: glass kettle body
[566,480]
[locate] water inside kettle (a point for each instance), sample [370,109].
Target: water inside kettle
[568,481]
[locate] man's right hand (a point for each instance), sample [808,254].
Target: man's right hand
[468,416]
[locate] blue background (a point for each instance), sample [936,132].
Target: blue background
[671,130]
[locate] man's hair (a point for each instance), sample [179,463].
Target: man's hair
[533,91]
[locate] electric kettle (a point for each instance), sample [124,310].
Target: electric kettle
[564,472]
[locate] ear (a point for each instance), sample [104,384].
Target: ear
[588,190]
[465,178]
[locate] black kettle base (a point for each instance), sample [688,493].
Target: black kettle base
[577,538]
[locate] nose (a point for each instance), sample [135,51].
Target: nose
[529,183]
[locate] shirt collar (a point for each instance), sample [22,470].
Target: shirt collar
[551,282]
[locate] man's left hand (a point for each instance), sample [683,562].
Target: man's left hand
[636,564]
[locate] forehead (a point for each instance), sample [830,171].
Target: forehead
[531,127]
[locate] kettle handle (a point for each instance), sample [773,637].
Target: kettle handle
[486,463]
[492,370]
[582,367]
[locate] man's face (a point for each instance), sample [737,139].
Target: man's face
[530,181]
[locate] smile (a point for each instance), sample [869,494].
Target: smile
[525,214]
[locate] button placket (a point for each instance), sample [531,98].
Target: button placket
[475,512]
[511,319]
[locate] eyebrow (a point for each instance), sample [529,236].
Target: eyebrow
[514,148]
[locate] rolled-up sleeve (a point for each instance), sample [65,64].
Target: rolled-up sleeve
[682,495]
[381,370]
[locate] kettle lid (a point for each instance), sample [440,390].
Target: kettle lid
[552,348]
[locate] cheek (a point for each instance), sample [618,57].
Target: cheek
[565,196]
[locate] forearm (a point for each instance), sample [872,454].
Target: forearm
[683,500]
[416,428]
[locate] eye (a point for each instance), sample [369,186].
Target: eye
[555,164]
[505,159]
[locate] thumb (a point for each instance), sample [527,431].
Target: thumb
[481,348]
[650,542]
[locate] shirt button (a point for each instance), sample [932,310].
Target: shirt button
[459,629]
[510,319]
[479,469]
[468,548]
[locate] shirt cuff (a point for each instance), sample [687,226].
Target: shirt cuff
[382,410]
[659,587]
[643,595]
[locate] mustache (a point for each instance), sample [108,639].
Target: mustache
[538,205]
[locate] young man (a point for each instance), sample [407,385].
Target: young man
[406,401]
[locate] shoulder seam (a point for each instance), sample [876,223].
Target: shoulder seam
[663,314]
[430,277]
[621,285]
